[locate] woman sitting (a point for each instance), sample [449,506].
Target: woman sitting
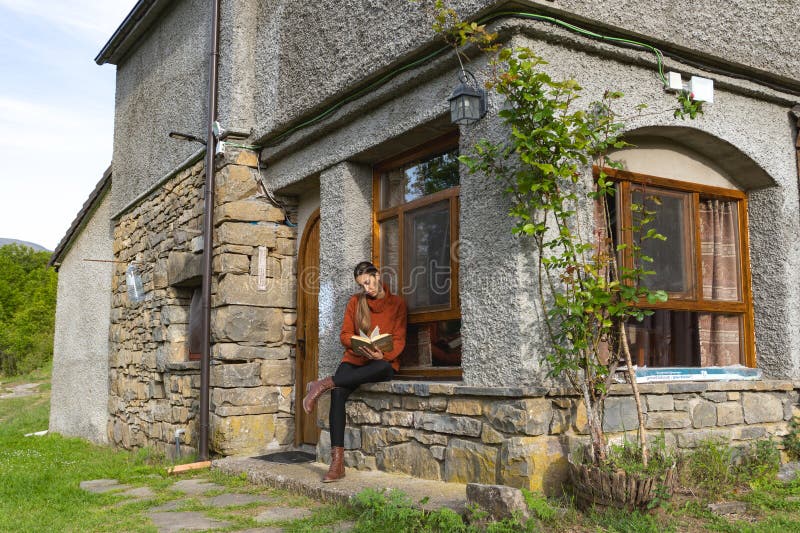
[371,307]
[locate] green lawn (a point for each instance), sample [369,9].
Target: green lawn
[40,491]
[40,477]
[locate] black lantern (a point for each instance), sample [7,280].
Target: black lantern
[468,101]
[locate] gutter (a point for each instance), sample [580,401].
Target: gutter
[138,21]
[208,227]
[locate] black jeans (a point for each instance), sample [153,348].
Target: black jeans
[347,379]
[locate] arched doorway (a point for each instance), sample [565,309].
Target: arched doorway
[307,361]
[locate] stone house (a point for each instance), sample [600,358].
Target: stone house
[339,147]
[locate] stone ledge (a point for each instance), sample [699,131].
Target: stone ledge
[183,366]
[428,388]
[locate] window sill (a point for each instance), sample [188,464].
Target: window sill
[431,388]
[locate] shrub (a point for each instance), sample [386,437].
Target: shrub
[717,467]
[791,441]
[758,460]
[392,511]
[710,465]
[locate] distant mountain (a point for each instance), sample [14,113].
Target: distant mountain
[36,247]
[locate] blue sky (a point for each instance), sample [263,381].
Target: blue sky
[56,111]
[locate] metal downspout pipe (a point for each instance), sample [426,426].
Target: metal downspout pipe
[208,229]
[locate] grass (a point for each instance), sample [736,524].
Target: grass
[40,488]
[41,477]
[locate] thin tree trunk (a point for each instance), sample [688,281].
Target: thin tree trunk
[639,413]
[595,427]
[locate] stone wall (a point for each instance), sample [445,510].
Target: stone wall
[154,387]
[521,436]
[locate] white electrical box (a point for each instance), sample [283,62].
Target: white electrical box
[701,89]
[674,81]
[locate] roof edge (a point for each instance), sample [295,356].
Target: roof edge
[136,23]
[82,216]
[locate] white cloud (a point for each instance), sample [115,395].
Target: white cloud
[99,19]
[56,112]
[21,120]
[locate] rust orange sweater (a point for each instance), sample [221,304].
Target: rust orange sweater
[389,314]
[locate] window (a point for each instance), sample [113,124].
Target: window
[416,228]
[702,265]
[196,325]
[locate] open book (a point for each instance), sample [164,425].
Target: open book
[376,339]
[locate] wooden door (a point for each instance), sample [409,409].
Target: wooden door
[306,362]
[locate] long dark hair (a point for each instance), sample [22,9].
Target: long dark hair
[363,314]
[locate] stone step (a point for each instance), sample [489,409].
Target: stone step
[305,478]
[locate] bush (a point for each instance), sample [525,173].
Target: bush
[627,456]
[27,309]
[758,460]
[791,441]
[392,511]
[710,465]
[717,467]
[539,505]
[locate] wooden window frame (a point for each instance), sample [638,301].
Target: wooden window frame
[435,147]
[743,307]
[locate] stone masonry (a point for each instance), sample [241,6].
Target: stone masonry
[154,387]
[521,436]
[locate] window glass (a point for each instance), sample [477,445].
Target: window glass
[419,179]
[686,338]
[196,325]
[416,207]
[719,242]
[672,258]
[432,344]
[707,318]
[390,252]
[426,257]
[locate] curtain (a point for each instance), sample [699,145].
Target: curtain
[719,334]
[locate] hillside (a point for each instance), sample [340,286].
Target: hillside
[36,247]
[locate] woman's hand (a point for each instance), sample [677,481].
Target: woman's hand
[371,353]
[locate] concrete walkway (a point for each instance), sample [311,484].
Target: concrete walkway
[19,391]
[304,478]
[198,504]
[181,514]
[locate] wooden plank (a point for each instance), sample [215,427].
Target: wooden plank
[646,179]
[749,340]
[442,144]
[177,469]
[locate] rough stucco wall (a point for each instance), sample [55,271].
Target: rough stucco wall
[502,322]
[272,49]
[753,33]
[325,47]
[496,286]
[239,25]
[161,87]
[761,131]
[345,240]
[79,399]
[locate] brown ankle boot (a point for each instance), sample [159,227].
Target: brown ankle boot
[336,471]
[314,390]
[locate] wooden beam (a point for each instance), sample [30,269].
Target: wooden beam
[177,469]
